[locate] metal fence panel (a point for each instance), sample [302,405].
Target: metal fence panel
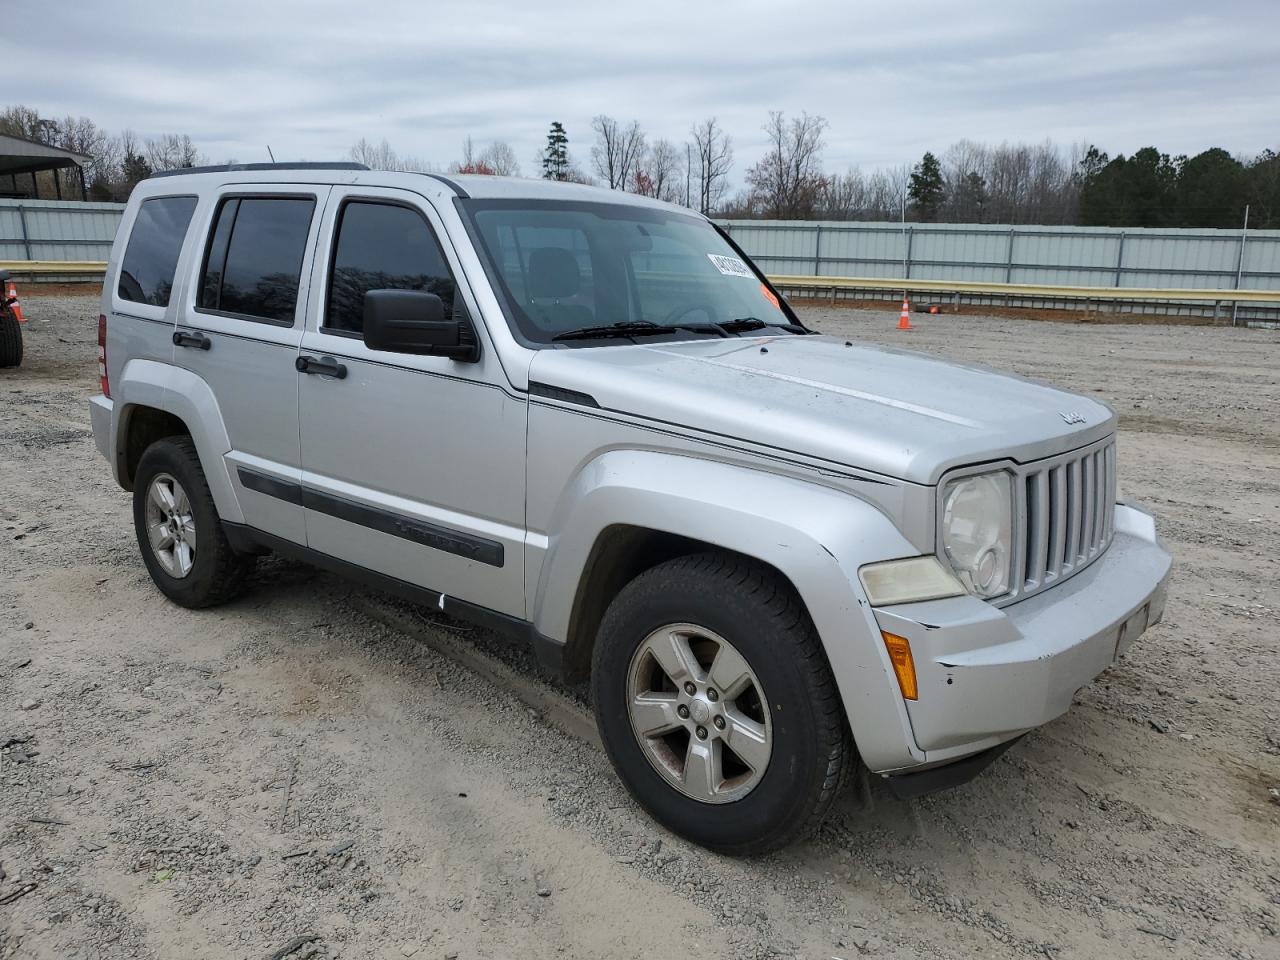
[986,253]
[999,253]
[57,229]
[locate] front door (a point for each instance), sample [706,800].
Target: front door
[239,328]
[412,466]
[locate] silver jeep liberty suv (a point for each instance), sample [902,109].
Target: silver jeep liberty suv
[586,419]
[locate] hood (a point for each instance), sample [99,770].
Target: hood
[893,412]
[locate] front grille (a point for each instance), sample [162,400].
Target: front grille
[1066,508]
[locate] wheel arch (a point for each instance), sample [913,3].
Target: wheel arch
[633,509]
[140,426]
[151,398]
[621,553]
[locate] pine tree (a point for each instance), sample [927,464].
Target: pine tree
[555,159]
[927,190]
[134,168]
[1212,190]
[968,202]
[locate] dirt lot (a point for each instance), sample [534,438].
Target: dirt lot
[301,764]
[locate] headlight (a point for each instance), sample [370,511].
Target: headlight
[977,531]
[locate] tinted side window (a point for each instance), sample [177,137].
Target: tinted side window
[150,259]
[382,247]
[255,257]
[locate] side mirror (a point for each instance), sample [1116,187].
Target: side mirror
[413,321]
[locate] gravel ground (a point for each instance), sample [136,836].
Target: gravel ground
[299,774]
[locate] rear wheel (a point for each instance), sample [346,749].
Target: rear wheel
[10,337]
[178,529]
[716,704]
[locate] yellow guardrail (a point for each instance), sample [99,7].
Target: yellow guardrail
[43,267]
[1046,291]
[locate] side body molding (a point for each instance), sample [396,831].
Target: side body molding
[816,536]
[185,395]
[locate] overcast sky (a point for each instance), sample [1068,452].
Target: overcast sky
[893,79]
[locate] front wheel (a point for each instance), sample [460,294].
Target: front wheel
[716,704]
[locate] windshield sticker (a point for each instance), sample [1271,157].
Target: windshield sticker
[731,266]
[768,295]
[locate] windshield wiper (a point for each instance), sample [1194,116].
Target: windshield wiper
[634,328]
[647,328]
[744,324]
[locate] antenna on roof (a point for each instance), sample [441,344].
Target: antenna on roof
[270,154]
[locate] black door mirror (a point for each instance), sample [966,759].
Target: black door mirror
[413,321]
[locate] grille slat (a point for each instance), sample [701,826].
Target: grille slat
[1058,519]
[1067,518]
[1109,516]
[1086,512]
[1073,516]
[1038,517]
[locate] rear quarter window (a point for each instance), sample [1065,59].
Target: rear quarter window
[151,257]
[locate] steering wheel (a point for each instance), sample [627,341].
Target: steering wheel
[681,312]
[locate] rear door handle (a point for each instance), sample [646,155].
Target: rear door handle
[187,338]
[324,366]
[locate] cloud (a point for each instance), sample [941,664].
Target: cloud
[893,80]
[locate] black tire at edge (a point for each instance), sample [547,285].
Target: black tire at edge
[10,338]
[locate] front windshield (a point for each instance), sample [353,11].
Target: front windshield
[572,266]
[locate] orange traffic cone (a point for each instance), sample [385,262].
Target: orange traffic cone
[904,320]
[11,295]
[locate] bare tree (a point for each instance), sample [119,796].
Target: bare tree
[844,196]
[659,175]
[172,151]
[495,160]
[468,156]
[501,159]
[617,152]
[23,121]
[380,156]
[788,179]
[81,135]
[375,156]
[887,193]
[1012,183]
[712,161]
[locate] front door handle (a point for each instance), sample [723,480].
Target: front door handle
[325,366]
[188,338]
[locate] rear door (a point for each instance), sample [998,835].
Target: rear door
[239,329]
[413,466]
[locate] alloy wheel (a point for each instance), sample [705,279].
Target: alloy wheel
[171,525]
[699,713]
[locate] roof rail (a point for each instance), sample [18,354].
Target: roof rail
[228,167]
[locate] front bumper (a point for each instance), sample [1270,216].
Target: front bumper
[988,674]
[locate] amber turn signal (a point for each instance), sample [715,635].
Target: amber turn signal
[900,653]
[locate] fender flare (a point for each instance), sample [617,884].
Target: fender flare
[149,383]
[816,536]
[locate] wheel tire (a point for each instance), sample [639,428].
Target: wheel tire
[10,338]
[757,611]
[217,572]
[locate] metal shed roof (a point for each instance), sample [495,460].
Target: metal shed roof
[19,155]
[22,157]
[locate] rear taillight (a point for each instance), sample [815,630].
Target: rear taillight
[102,355]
